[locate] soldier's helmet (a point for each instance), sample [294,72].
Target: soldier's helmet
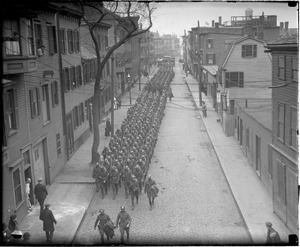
[97,164]
[122,208]
[101,211]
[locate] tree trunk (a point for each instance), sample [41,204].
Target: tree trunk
[96,133]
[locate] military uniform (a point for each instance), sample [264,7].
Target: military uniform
[103,220]
[124,222]
[114,180]
[134,190]
[96,176]
[151,190]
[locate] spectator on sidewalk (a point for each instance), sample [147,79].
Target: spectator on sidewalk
[170,95]
[6,235]
[41,193]
[48,222]
[27,191]
[13,223]
[204,109]
[272,235]
[26,238]
[107,127]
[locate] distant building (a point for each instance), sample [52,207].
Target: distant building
[285,132]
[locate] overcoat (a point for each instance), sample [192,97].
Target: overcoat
[48,220]
[40,191]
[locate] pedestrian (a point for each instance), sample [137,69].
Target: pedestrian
[41,193]
[6,235]
[27,196]
[151,190]
[170,95]
[26,238]
[204,109]
[124,222]
[48,222]
[273,237]
[13,223]
[107,127]
[105,225]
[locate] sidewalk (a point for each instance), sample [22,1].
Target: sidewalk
[253,200]
[73,190]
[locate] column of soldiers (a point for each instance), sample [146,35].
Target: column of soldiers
[126,160]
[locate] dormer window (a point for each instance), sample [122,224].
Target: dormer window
[11,36]
[249,51]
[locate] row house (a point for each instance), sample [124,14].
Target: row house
[246,65]
[33,133]
[285,130]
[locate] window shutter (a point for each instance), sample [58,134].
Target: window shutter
[281,182]
[6,105]
[16,108]
[50,39]
[52,94]
[243,51]
[227,80]
[79,75]
[254,50]
[241,79]
[74,118]
[31,102]
[38,100]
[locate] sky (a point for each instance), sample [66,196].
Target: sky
[175,17]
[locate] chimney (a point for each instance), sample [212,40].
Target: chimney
[286,25]
[216,25]
[220,20]
[213,23]
[281,26]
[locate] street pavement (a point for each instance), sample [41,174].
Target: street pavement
[73,189]
[251,196]
[194,205]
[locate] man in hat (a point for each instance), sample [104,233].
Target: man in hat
[40,192]
[48,222]
[124,222]
[104,220]
[272,235]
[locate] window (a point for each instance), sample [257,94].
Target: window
[295,68]
[209,43]
[281,182]
[92,75]
[52,40]
[85,75]
[34,97]
[78,75]
[71,41]
[38,38]
[81,110]
[249,51]
[210,58]
[75,117]
[11,109]
[58,144]
[281,121]
[196,38]
[76,41]
[294,128]
[46,104]
[11,37]
[63,40]
[73,77]
[30,41]
[54,93]
[281,67]
[17,187]
[67,85]
[26,157]
[86,104]
[88,72]
[234,79]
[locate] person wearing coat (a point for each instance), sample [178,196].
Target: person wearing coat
[151,190]
[48,222]
[40,192]
[13,223]
[273,237]
[107,127]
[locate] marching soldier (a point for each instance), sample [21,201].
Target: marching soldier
[96,176]
[114,180]
[105,225]
[124,222]
[151,190]
[103,180]
[126,176]
[139,175]
[134,190]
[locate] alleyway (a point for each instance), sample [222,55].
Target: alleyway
[195,204]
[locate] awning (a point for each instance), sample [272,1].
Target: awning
[212,69]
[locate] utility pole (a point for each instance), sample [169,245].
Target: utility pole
[139,68]
[200,66]
[112,95]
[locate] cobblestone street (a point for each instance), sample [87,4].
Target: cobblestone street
[195,204]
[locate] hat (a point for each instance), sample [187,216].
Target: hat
[101,210]
[13,216]
[122,208]
[40,179]
[268,224]
[47,205]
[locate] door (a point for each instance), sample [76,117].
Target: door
[40,158]
[70,135]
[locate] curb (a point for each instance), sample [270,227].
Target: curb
[223,170]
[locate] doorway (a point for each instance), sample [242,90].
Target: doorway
[27,174]
[40,158]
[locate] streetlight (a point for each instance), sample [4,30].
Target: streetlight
[129,85]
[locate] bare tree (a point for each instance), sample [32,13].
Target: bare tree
[129,16]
